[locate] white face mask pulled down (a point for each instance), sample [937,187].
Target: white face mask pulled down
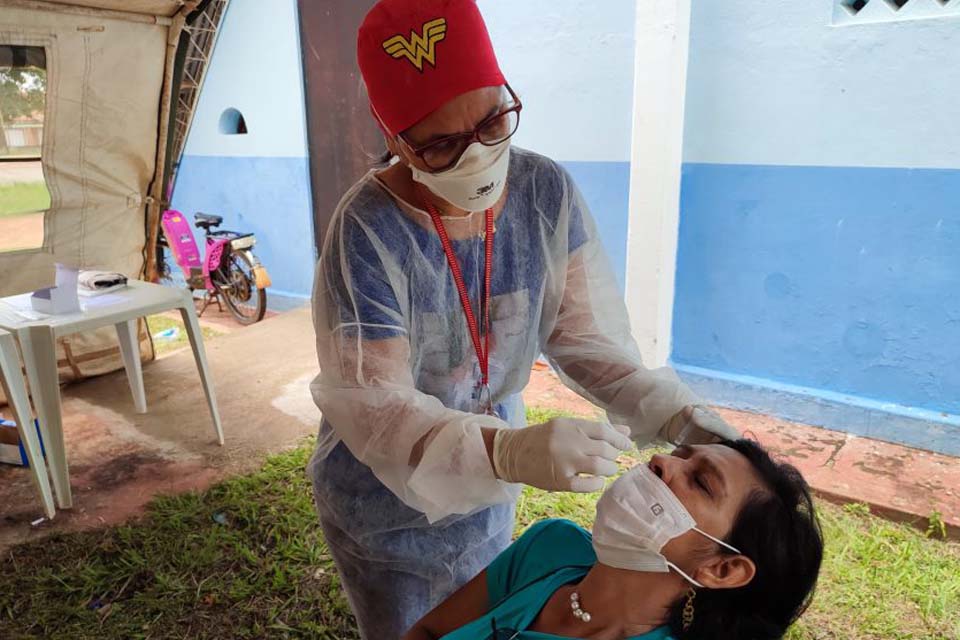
[636,517]
[476,182]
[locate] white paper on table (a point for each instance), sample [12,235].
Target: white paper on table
[104,300]
[23,307]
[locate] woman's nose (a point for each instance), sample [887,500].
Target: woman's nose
[664,466]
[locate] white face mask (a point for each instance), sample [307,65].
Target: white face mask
[636,516]
[476,182]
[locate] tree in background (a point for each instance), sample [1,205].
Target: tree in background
[22,94]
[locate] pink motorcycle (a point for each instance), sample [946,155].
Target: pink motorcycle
[229,271]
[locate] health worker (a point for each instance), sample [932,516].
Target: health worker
[444,275]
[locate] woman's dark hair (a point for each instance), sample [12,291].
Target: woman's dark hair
[778,529]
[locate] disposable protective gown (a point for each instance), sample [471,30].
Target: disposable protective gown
[406,493]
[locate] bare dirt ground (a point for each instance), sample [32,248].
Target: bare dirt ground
[26,231]
[21,232]
[28,171]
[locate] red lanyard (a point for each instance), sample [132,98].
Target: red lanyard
[483,350]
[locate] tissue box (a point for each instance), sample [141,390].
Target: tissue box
[11,449]
[61,298]
[54,301]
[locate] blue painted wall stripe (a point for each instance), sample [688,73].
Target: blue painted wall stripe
[606,188]
[834,278]
[270,197]
[266,196]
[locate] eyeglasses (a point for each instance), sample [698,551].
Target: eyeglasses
[445,152]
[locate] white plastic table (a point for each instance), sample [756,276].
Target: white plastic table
[122,308]
[15,390]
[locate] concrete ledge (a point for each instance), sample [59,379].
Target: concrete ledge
[896,482]
[278,300]
[918,428]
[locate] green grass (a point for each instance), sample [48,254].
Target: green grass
[164,346]
[179,573]
[23,197]
[245,559]
[883,580]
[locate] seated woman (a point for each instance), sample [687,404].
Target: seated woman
[712,542]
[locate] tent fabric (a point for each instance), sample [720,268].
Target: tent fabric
[166,8]
[104,79]
[104,82]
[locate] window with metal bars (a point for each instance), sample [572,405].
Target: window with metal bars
[848,12]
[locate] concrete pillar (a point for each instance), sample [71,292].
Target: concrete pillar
[660,81]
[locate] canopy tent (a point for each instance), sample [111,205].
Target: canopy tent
[112,68]
[151,8]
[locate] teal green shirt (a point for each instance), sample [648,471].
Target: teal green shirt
[551,554]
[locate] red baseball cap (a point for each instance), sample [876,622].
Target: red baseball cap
[415,55]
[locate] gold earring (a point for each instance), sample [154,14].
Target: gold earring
[688,610]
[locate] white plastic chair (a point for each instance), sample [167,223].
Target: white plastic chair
[11,377]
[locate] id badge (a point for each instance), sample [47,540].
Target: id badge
[483,399]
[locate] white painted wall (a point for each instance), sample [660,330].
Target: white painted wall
[571,63]
[257,69]
[775,83]
[772,83]
[662,28]
[578,111]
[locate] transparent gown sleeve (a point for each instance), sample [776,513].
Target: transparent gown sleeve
[591,344]
[432,457]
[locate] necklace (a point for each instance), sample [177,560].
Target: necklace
[578,613]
